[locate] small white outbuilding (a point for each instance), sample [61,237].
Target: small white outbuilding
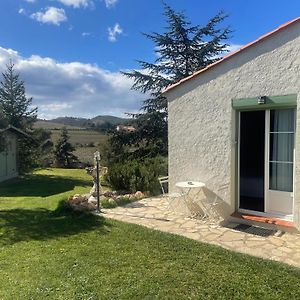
[8,157]
[237,122]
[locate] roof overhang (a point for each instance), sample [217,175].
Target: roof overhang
[230,55]
[11,128]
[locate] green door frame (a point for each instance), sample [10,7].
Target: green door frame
[251,104]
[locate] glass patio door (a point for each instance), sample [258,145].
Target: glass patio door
[280,125]
[266,161]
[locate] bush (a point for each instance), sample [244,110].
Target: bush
[105,203]
[138,175]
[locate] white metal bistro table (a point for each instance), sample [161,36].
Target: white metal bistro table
[191,200]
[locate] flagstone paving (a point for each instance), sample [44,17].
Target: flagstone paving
[154,213]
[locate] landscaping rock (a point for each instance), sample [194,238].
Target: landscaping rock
[92,200]
[77,199]
[139,195]
[81,203]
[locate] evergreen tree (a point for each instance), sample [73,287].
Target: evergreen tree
[181,50]
[3,120]
[64,151]
[3,124]
[17,110]
[16,106]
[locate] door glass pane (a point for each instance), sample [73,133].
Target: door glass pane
[281,177]
[281,147]
[282,128]
[252,160]
[282,120]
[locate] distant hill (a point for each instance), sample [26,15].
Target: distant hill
[79,123]
[110,119]
[46,124]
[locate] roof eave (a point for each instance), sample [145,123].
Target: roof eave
[230,55]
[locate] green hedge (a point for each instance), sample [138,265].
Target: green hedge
[138,175]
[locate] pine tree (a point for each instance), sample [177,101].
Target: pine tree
[15,105]
[3,120]
[3,124]
[64,151]
[17,110]
[181,50]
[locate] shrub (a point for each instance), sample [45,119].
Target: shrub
[138,175]
[90,144]
[106,203]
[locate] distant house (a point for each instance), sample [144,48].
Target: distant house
[125,128]
[8,155]
[237,123]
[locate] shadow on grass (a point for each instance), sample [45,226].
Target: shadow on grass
[40,186]
[18,225]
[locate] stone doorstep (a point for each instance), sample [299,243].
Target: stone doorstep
[264,222]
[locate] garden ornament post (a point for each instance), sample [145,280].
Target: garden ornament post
[97,162]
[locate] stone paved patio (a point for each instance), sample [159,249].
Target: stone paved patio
[154,213]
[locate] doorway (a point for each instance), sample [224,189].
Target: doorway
[266,161]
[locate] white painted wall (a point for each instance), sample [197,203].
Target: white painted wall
[202,122]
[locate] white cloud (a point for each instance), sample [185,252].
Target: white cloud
[55,107]
[22,11]
[77,3]
[73,89]
[50,15]
[30,1]
[110,3]
[86,34]
[113,32]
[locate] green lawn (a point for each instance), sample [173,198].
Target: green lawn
[47,252]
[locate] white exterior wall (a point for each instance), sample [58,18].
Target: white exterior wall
[8,162]
[202,122]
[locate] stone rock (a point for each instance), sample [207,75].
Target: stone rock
[132,197]
[77,199]
[91,206]
[92,200]
[139,194]
[84,206]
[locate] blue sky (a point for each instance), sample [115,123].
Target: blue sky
[70,52]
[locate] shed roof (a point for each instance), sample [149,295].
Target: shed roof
[228,56]
[15,130]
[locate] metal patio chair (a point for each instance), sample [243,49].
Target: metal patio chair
[211,205]
[172,197]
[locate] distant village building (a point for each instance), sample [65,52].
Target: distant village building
[8,155]
[125,128]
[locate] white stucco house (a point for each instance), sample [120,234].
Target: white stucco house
[8,157]
[237,122]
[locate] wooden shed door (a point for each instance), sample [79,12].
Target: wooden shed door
[11,156]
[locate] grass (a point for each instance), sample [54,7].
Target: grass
[55,126]
[48,252]
[80,138]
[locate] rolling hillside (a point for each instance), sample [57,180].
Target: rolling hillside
[85,141]
[77,123]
